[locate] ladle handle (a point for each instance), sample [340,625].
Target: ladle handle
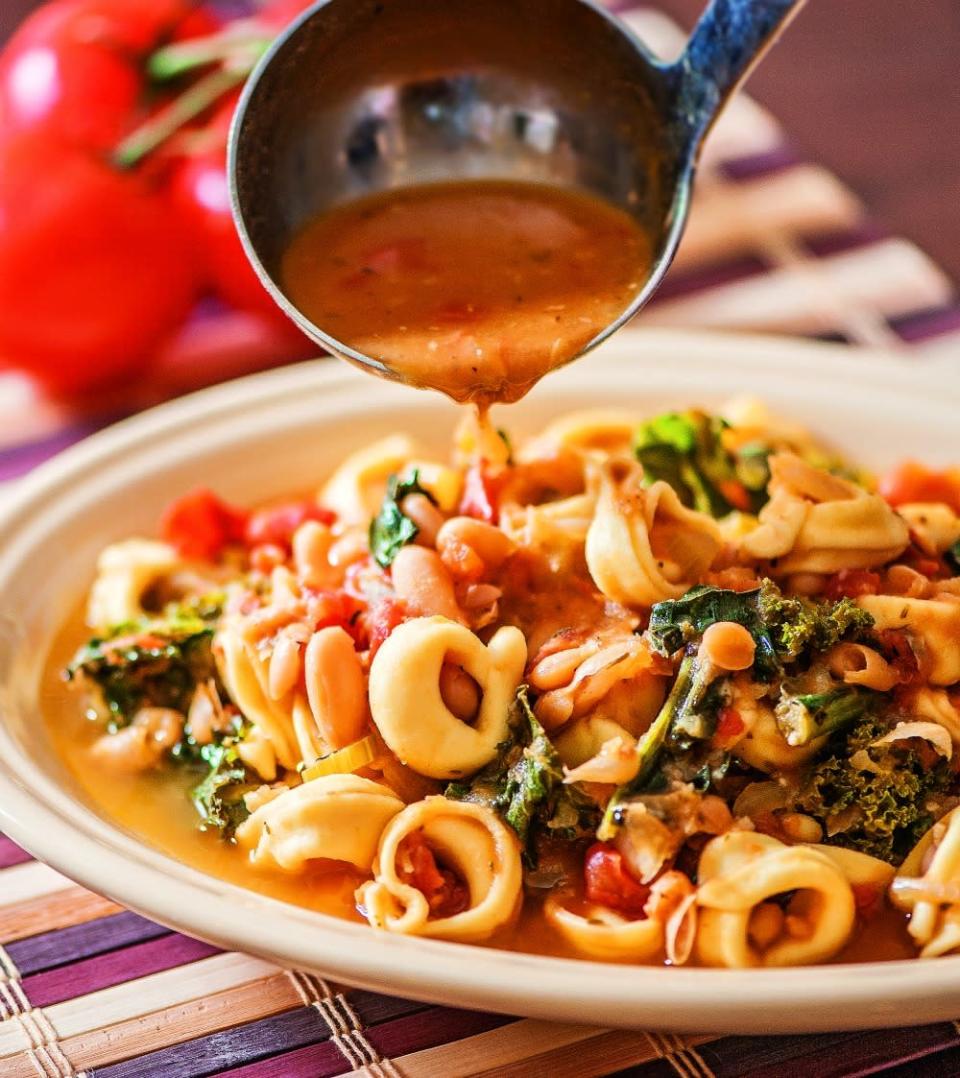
[729,39]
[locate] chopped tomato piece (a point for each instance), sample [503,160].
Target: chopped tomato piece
[897,650]
[608,883]
[481,494]
[277,523]
[446,894]
[736,494]
[335,608]
[729,727]
[266,557]
[200,525]
[915,558]
[385,616]
[850,583]
[867,898]
[912,482]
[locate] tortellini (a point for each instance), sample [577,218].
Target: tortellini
[472,841]
[336,817]
[644,545]
[557,529]
[610,430]
[816,522]
[934,623]
[739,873]
[408,707]
[355,490]
[125,571]
[935,527]
[928,885]
[604,933]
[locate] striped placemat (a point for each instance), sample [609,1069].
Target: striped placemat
[86,988]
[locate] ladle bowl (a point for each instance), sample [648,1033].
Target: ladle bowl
[362,96]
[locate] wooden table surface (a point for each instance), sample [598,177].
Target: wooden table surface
[867,87]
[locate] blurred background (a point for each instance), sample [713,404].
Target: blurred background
[110,271]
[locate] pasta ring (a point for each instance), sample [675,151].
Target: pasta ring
[408,708]
[740,870]
[475,842]
[935,927]
[336,817]
[605,934]
[644,545]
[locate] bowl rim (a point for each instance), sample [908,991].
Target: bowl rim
[100,856]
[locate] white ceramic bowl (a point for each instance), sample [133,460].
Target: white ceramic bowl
[282,432]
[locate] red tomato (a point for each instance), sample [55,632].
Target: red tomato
[729,727]
[382,619]
[736,494]
[202,197]
[94,269]
[868,899]
[446,894]
[277,523]
[481,494]
[72,69]
[912,482]
[276,14]
[200,525]
[608,883]
[851,583]
[896,648]
[336,608]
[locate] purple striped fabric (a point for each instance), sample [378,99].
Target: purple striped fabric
[427,1029]
[106,970]
[78,942]
[679,283]
[829,1055]
[315,1061]
[11,854]
[753,166]
[928,325]
[228,1049]
[18,460]
[835,243]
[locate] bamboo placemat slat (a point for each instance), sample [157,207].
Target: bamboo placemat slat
[774,243]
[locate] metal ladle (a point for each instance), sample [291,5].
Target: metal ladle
[361,96]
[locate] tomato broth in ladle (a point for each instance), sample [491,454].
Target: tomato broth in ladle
[477,288]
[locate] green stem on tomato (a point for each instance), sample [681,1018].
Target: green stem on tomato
[166,123]
[235,46]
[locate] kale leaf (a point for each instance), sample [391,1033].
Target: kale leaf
[155,662]
[802,627]
[218,798]
[688,716]
[881,809]
[676,622]
[390,529]
[686,450]
[524,785]
[784,629]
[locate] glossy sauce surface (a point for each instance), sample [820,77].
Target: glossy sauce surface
[475,288]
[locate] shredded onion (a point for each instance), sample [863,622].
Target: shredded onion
[928,731]
[924,890]
[760,797]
